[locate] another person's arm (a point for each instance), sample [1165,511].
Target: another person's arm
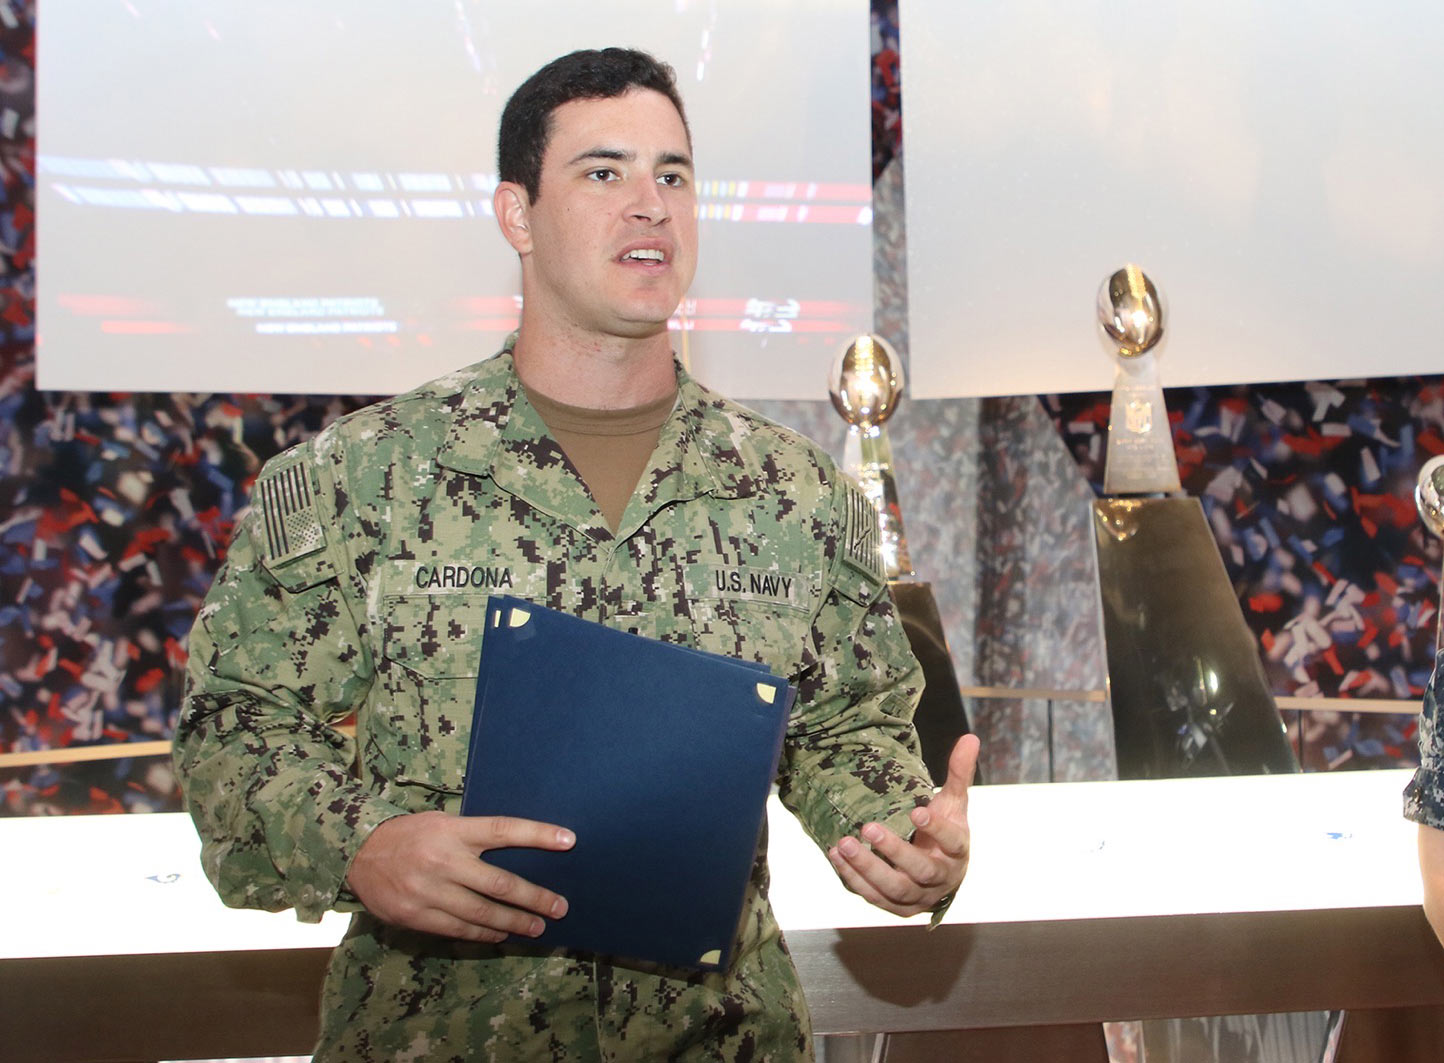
[1431,866]
[1424,800]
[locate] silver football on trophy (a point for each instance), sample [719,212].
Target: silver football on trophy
[1429,495]
[1130,312]
[866,382]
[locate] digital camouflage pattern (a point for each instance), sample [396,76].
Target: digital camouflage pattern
[1424,796]
[358,582]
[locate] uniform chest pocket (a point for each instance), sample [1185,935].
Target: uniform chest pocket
[713,616]
[751,631]
[429,661]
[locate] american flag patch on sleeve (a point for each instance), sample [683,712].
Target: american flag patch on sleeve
[862,534]
[288,513]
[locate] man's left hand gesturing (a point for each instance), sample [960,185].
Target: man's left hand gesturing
[908,877]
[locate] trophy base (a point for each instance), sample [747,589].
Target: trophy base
[940,719]
[1188,692]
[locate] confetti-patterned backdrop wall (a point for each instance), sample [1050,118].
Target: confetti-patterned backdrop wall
[115,510]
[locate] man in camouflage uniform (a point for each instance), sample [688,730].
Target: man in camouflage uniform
[1424,799]
[358,583]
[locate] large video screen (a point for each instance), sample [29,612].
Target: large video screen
[1275,167]
[295,195]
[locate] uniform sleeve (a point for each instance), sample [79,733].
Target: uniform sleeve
[1424,796]
[852,755]
[276,660]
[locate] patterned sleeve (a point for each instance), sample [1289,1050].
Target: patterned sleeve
[1424,796]
[276,659]
[852,755]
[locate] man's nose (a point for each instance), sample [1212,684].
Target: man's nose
[648,204]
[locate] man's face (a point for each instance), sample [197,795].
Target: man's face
[613,232]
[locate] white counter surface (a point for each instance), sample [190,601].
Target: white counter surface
[117,885]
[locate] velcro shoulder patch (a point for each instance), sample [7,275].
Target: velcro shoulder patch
[862,535]
[286,497]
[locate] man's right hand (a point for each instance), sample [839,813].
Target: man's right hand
[422,871]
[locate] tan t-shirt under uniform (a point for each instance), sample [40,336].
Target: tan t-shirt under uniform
[609,448]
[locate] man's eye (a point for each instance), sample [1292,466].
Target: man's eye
[604,173]
[672,180]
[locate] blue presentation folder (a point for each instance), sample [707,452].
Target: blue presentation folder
[658,756]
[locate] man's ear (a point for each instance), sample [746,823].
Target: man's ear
[512,205]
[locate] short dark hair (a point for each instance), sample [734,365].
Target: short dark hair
[526,122]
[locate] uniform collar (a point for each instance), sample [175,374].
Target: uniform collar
[496,432]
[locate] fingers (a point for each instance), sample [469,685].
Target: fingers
[875,881]
[962,766]
[942,824]
[443,924]
[471,900]
[443,921]
[513,892]
[908,877]
[424,872]
[493,884]
[915,861]
[494,916]
[501,832]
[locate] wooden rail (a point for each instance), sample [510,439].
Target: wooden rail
[127,750]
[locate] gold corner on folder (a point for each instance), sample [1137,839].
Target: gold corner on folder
[519,617]
[766,693]
[712,957]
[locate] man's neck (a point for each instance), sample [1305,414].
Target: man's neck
[596,372]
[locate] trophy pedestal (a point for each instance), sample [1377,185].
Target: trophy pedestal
[1188,692]
[941,718]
